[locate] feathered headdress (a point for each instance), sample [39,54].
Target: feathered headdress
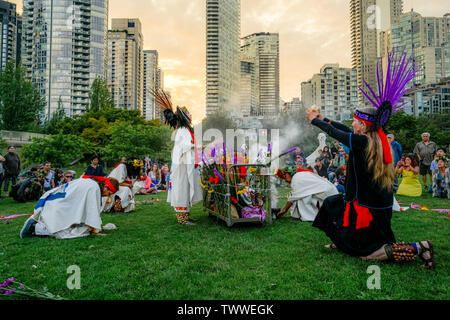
[400,71]
[173,119]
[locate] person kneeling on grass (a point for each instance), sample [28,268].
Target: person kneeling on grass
[71,210]
[308,193]
[123,200]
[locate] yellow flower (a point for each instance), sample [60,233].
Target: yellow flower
[210,191]
[242,191]
[252,169]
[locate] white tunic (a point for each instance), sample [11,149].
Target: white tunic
[184,184]
[67,211]
[308,189]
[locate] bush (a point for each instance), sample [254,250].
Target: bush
[59,149]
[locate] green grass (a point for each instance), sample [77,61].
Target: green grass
[150,256]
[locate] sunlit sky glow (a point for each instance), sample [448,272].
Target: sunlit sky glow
[312,33]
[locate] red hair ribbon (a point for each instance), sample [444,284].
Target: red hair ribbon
[103,179]
[386,147]
[303,170]
[363,215]
[384,141]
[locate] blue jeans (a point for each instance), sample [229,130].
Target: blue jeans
[340,188]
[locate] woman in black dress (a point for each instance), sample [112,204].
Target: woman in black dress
[361,224]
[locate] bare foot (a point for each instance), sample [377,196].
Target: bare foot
[330,246]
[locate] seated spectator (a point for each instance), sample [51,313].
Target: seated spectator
[27,174]
[155,175]
[326,156]
[335,149]
[338,162]
[440,152]
[410,185]
[49,177]
[71,210]
[441,179]
[320,169]
[339,179]
[68,176]
[165,176]
[30,189]
[59,177]
[95,169]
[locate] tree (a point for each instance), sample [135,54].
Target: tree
[59,149]
[99,96]
[20,102]
[56,118]
[137,141]
[220,121]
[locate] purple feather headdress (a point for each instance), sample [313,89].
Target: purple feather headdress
[400,71]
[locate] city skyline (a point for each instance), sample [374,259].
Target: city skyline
[308,39]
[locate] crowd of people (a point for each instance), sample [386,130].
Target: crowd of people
[425,160]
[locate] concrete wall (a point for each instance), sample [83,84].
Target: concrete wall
[18,138]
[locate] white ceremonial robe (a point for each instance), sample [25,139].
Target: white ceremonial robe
[308,189]
[184,185]
[119,173]
[67,211]
[137,186]
[126,198]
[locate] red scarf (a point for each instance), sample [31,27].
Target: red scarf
[195,148]
[103,179]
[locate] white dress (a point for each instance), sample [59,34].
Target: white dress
[308,190]
[67,211]
[184,184]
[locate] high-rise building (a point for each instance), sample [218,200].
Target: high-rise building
[427,40]
[8,33]
[19,40]
[429,98]
[369,19]
[222,55]
[334,90]
[159,114]
[294,106]
[64,49]
[150,83]
[248,91]
[126,63]
[263,50]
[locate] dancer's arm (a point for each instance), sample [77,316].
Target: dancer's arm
[354,141]
[337,125]
[285,209]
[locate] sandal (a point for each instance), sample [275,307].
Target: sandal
[425,250]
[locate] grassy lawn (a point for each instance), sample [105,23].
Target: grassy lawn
[150,256]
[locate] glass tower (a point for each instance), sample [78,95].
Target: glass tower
[64,49]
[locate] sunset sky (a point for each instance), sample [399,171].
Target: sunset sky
[312,33]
